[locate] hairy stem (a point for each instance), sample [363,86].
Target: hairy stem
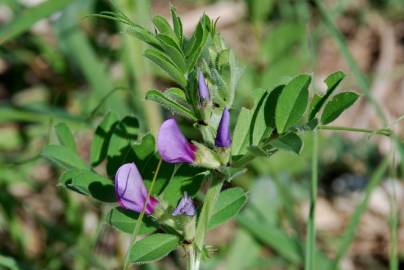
[191,260]
[139,221]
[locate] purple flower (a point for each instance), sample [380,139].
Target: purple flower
[185,207]
[203,88]
[130,190]
[172,144]
[223,132]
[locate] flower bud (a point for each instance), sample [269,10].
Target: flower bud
[203,88]
[223,131]
[185,207]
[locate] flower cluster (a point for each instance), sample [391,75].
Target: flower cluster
[174,148]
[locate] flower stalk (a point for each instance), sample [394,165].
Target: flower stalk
[216,183]
[140,219]
[310,256]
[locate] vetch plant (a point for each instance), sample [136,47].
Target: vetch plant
[153,195]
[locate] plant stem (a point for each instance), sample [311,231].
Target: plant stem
[191,262]
[311,230]
[384,131]
[139,220]
[216,184]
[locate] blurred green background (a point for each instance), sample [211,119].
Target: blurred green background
[58,64]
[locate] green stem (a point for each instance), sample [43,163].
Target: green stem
[383,131]
[191,260]
[139,221]
[393,212]
[216,184]
[393,232]
[311,230]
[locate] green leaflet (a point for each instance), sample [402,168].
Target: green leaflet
[292,103]
[167,65]
[177,24]
[173,51]
[63,156]
[241,133]
[332,81]
[228,205]
[153,248]
[144,35]
[259,127]
[164,27]
[196,44]
[102,137]
[125,221]
[65,136]
[337,105]
[166,101]
[289,142]
[89,183]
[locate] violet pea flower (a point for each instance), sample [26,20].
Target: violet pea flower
[131,191]
[172,144]
[223,131]
[185,207]
[203,88]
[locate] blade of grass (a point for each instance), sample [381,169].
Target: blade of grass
[359,76]
[350,231]
[77,47]
[28,17]
[9,113]
[138,68]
